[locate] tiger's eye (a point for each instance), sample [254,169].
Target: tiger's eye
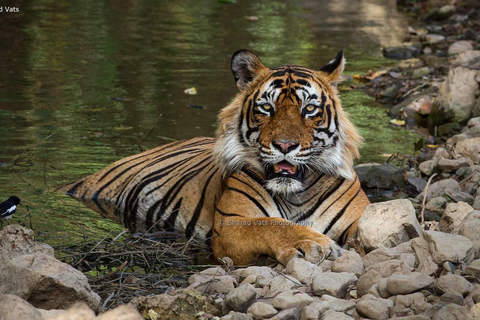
[266,107]
[310,108]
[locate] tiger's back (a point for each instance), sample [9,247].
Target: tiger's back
[171,187]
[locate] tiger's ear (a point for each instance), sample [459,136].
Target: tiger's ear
[245,67]
[333,70]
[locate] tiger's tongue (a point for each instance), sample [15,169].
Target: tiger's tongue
[285,166]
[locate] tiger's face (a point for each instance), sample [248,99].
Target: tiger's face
[286,123]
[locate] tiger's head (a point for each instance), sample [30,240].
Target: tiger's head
[286,123]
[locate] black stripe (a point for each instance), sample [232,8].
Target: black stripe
[340,214]
[252,199]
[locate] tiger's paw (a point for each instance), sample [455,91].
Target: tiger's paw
[314,251]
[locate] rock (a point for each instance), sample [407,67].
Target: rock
[333,315]
[14,308]
[387,268]
[448,297]
[282,283]
[448,129]
[349,261]
[452,312]
[16,240]
[235,316]
[476,203]
[123,312]
[292,299]
[31,276]
[260,310]
[240,298]
[459,46]
[401,52]
[428,167]
[388,224]
[438,188]
[264,274]
[469,228]
[448,247]
[378,255]
[383,176]
[467,58]
[336,304]
[466,146]
[473,122]
[415,301]
[447,165]
[427,266]
[419,73]
[334,284]
[460,197]
[452,283]
[212,284]
[366,281]
[288,314]
[437,204]
[302,270]
[434,38]
[445,12]
[407,283]
[408,258]
[475,311]
[456,98]
[181,304]
[474,268]
[453,216]
[373,309]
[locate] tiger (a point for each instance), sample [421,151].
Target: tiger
[277,179]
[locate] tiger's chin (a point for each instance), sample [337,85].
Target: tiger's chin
[283,185]
[284,178]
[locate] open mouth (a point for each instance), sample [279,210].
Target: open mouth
[284,169]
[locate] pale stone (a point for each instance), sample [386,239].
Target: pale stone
[438,188]
[240,298]
[388,224]
[466,57]
[451,165]
[452,283]
[427,266]
[287,314]
[475,311]
[264,274]
[473,268]
[428,167]
[349,261]
[407,283]
[123,312]
[292,299]
[379,255]
[282,283]
[333,315]
[15,308]
[453,216]
[373,309]
[366,281]
[260,310]
[452,312]
[302,269]
[387,268]
[459,46]
[332,283]
[448,247]
[469,228]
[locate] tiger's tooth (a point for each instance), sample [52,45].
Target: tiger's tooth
[276,168]
[294,169]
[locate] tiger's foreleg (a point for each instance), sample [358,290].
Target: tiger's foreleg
[243,239]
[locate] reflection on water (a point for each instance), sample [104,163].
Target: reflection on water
[83,83]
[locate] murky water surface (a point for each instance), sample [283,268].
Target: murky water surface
[85,83]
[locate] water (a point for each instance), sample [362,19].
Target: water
[85,83]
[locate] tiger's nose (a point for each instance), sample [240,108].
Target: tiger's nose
[285,146]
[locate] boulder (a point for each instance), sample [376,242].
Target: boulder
[452,283]
[383,176]
[349,261]
[428,167]
[240,298]
[46,282]
[438,188]
[302,269]
[452,312]
[401,52]
[287,314]
[292,299]
[467,58]
[181,304]
[333,284]
[459,47]
[453,216]
[282,283]
[261,310]
[366,281]
[14,308]
[407,283]
[379,255]
[387,224]
[451,165]
[468,148]
[473,268]
[264,274]
[456,98]
[448,247]
[373,309]
[387,268]
[334,315]
[469,229]
[434,38]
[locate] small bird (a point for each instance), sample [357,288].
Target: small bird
[8,208]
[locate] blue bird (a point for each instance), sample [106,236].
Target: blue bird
[8,208]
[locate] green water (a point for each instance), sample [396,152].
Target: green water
[83,83]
